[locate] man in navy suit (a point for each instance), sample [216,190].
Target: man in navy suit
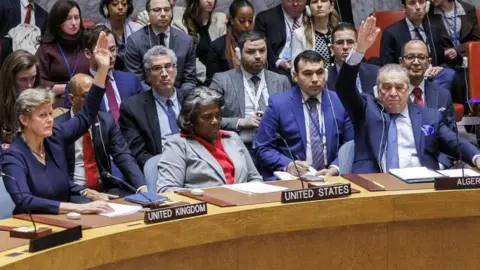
[15,12]
[309,117]
[413,26]
[103,141]
[390,131]
[344,39]
[416,60]
[120,85]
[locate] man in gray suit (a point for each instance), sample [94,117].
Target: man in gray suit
[246,89]
[159,32]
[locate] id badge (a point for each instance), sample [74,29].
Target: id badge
[287,54]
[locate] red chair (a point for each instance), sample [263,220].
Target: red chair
[374,50]
[478,16]
[388,17]
[88,23]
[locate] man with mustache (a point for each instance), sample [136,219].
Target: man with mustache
[246,89]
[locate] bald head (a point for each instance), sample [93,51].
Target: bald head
[79,86]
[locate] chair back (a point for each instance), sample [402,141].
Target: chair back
[374,50]
[6,202]
[345,157]
[150,169]
[473,70]
[386,18]
[88,23]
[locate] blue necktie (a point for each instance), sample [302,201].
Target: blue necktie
[392,144]
[172,117]
[318,161]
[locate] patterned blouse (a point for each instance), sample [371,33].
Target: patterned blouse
[322,42]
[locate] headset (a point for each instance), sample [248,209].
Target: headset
[375,94]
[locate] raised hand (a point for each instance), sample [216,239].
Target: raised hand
[101,52]
[367,34]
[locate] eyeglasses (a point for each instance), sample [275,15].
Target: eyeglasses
[159,10]
[341,42]
[159,68]
[411,57]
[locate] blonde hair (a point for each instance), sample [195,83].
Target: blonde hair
[31,98]
[333,20]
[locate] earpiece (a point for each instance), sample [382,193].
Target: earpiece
[105,10]
[237,53]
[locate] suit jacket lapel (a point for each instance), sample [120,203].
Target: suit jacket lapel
[431,95]
[233,153]
[152,119]
[120,84]
[239,89]
[332,78]
[297,108]
[272,85]
[17,13]
[171,43]
[330,128]
[282,26]
[416,119]
[207,157]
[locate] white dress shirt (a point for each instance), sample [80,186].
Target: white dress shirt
[162,116]
[306,115]
[413,33]
[115,89]
[422,87]
[23,11]
[288,43]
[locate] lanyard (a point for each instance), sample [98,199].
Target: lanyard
[452,32]
[320,130]
[70,73]
[290,29]
[261,88]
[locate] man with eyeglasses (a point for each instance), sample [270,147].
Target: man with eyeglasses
[391,131]
[424,93]
[159,32]
[278,24]
[148,118]
[120,85]
[344,39]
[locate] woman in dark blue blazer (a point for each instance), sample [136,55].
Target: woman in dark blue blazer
[37,177]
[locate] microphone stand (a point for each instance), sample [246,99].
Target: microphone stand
[291,156]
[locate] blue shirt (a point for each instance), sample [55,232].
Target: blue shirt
[161,112]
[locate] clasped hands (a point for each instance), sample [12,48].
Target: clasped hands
[303,168]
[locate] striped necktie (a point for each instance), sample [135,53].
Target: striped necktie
[316,143]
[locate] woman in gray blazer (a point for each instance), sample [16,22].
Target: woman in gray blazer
[202,155]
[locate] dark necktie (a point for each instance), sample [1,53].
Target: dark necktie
[418,33]
[392,161]
[256,83]
[161,37]
[316,143]
[172,117]
[112,100]
[28,15]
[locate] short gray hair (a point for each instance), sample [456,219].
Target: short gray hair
[156,51]
[31,98]
[389,68]
[193,101]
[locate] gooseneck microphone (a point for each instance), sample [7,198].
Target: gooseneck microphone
[291,156]
[459,152]
[21,194]
[121,182]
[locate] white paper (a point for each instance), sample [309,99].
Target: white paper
[255,187]
[287,176]
[415,173]
[458,172]
[121,210]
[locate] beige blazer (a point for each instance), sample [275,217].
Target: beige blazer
[299,42]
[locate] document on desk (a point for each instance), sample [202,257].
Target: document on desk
[286,176]
[121,210]
[255,188]
[415,174]
[459,173]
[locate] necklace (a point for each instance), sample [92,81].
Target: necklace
[40,154]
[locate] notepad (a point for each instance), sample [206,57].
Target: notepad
[287,176]
[255,188]
[121,210]
[458,172]
[415,174]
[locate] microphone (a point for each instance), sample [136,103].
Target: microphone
[291,156]
[121,182]
[26,206]
[459,153]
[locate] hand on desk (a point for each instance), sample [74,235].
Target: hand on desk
[93,208]
[302,167]
[94,195]
[332,171]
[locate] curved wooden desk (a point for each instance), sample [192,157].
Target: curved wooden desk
[421,229]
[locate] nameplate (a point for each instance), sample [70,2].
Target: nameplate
[446,183]
[316,193]
[177,212]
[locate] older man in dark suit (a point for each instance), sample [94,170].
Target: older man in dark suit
[90,156]
[159,32]
[246,89]
[344,39]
